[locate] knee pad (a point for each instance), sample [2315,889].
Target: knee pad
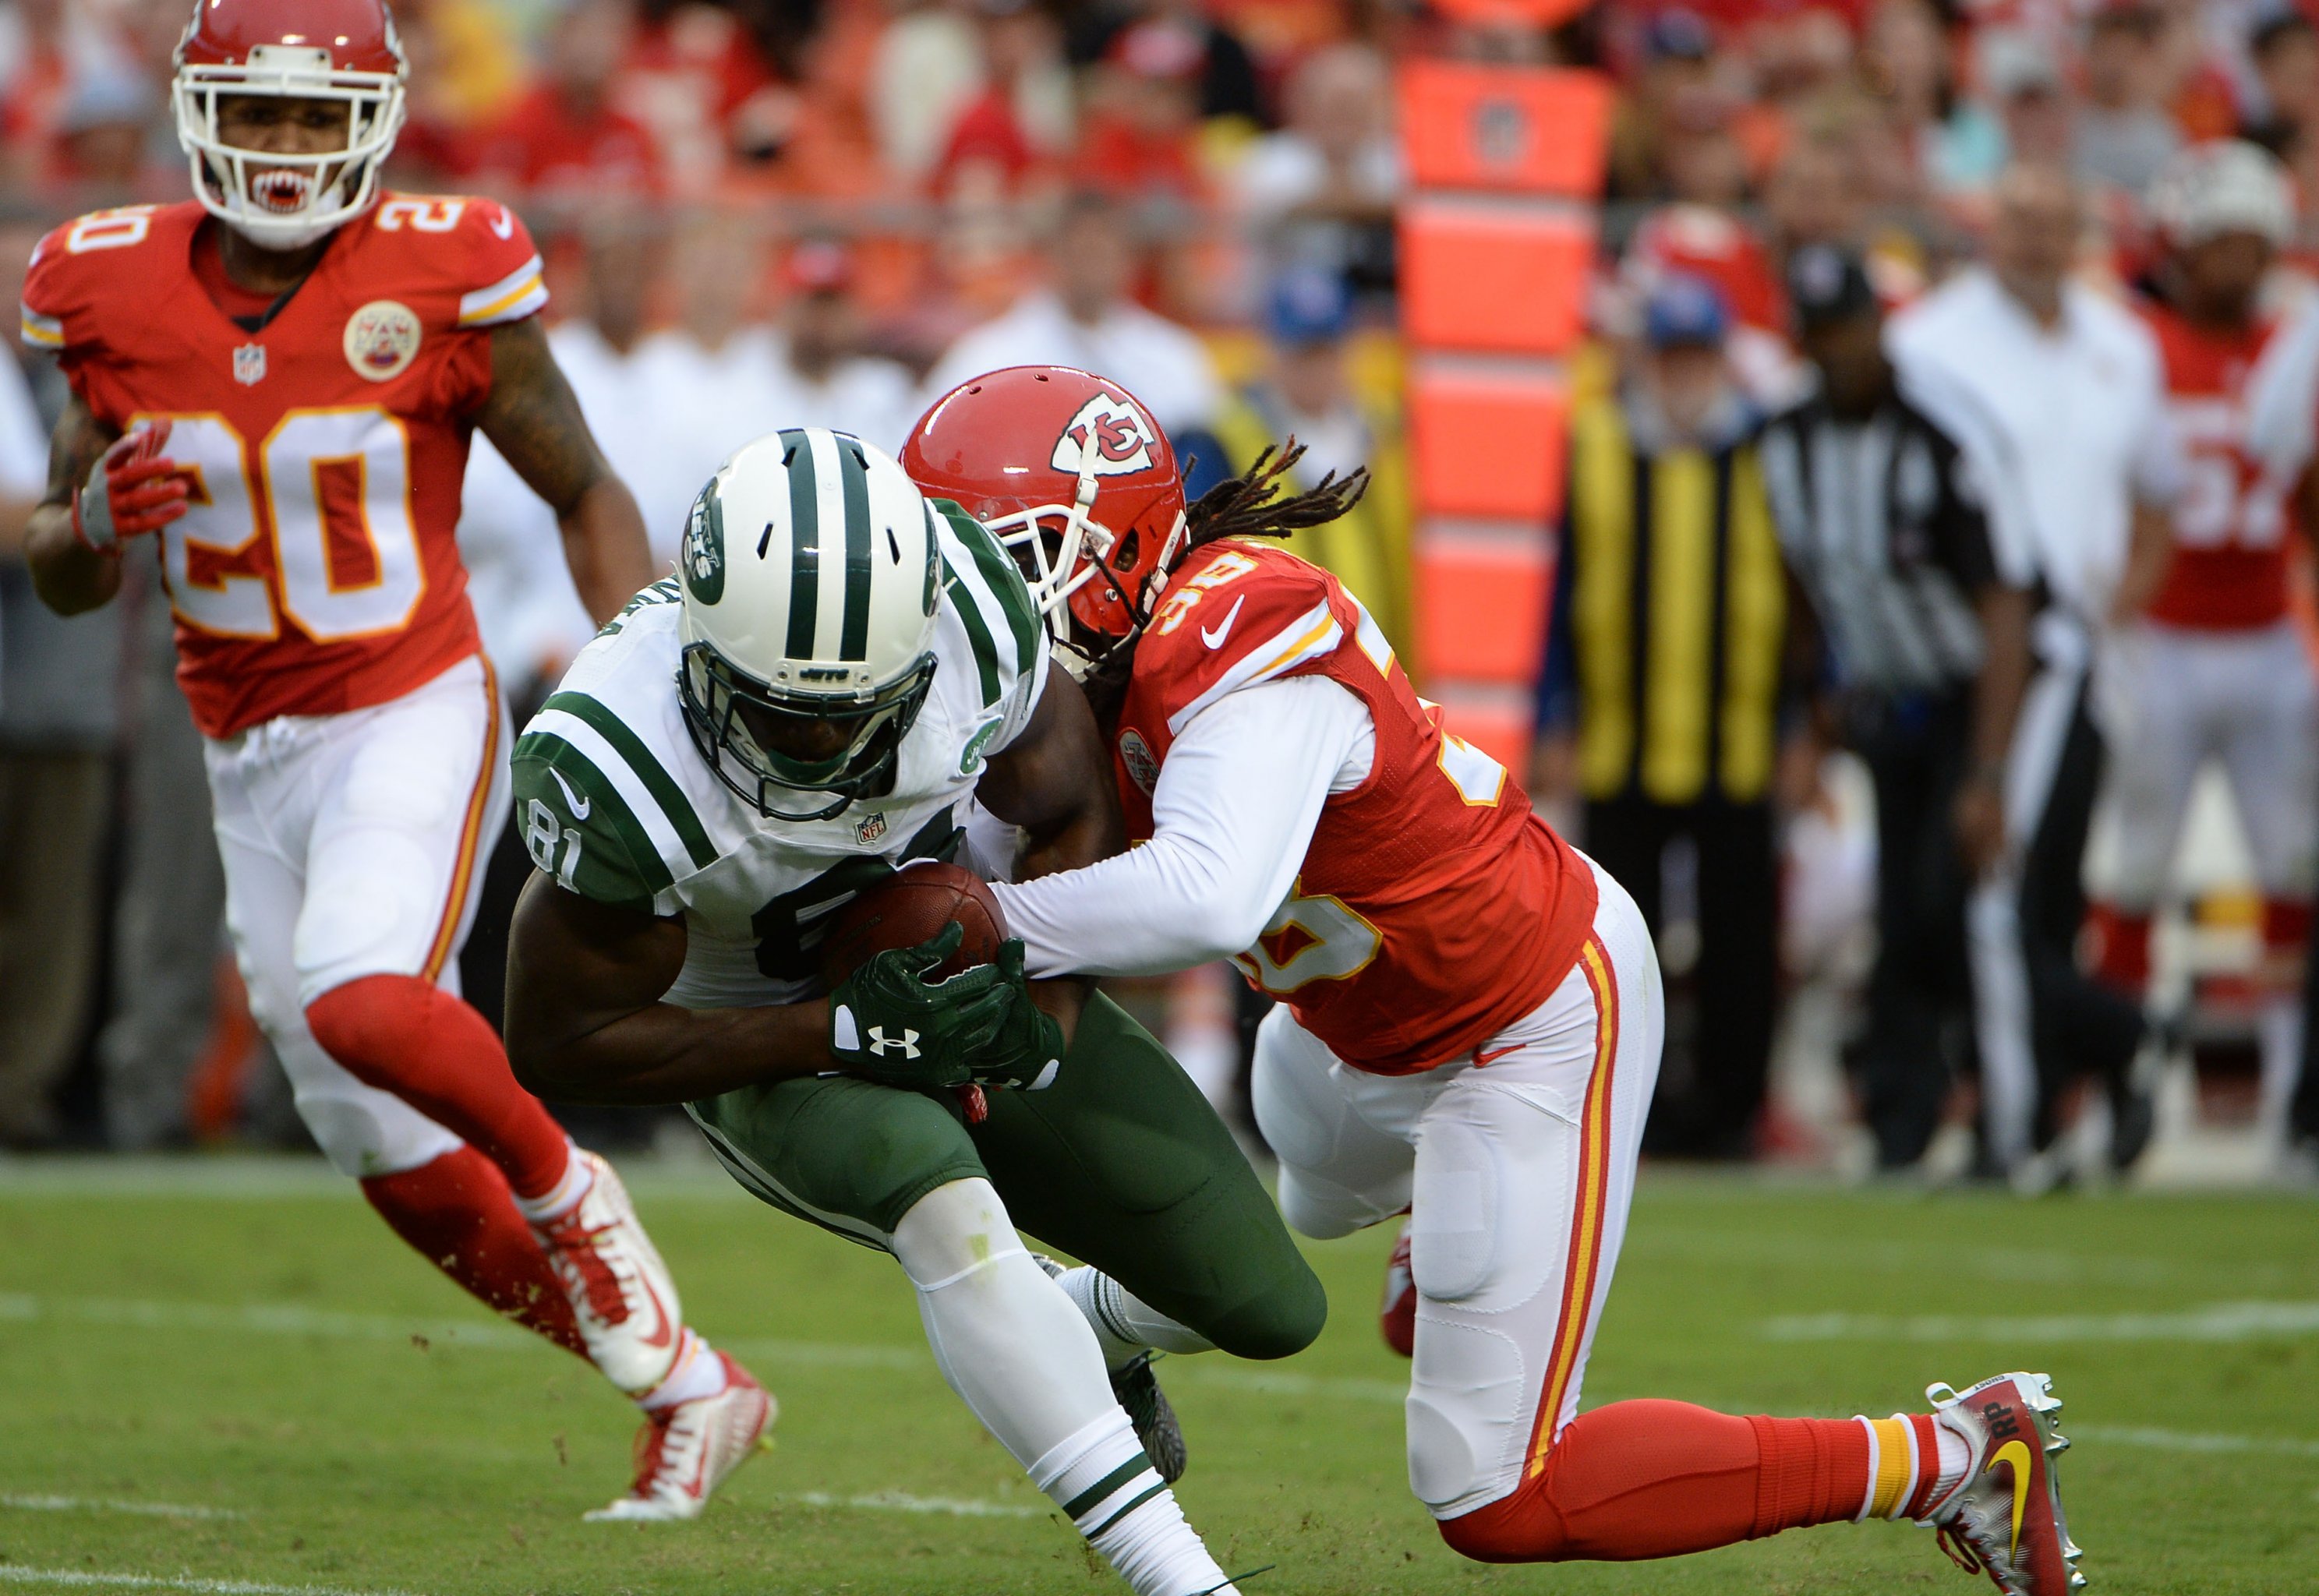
[951,1231]
[1456,1218]
[361,1130]
[1316,1206]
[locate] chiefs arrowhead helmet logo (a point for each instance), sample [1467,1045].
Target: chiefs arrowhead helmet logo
[1109,437]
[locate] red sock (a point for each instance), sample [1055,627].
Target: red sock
[2119,943]
[411,1038]
[459,1214]
[1657,1479]
[2286,926]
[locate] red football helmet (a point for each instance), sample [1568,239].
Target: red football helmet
[307,49]
[1070,471]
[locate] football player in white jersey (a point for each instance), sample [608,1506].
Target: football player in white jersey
[839,675]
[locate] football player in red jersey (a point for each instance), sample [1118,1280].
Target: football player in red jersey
[276,381]
[1469,1009]
[2215,667]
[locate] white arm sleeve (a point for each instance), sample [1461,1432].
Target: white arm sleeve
[1232,815]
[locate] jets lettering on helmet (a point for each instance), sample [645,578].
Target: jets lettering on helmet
[704,547]
[1108,437]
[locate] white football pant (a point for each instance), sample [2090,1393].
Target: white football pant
[1520,1168]
[354,845]
[2172,698]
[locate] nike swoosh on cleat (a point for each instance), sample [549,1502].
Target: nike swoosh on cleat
[579,806]
[660,1338]
[1216,639]
[2015,1453]
[1493,1054]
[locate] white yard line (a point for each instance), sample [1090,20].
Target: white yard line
[17,1573]
[902,1502]
[35,1503]
[2216,1322]
[2175,1440]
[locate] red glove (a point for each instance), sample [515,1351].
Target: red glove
[134,488]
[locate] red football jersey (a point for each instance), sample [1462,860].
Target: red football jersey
[1434,909]
[2229,568]
[317,570]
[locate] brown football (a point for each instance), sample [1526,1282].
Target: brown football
[912,907]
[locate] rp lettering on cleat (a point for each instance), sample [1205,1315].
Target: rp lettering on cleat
[2000,1419]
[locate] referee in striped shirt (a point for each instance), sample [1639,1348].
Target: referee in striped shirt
[1926,623]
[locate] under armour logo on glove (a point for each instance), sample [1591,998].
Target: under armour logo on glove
[907,1045]
[891,1022]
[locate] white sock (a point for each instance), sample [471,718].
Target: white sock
[697,1371]
[1104,1482]
[1021,1358]
[2278,1029]
[1955,1456]
[570,1187]
[1125,1326]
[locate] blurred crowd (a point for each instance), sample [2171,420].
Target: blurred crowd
[765,210]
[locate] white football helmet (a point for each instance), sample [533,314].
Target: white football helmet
[2226,186]
[810,577]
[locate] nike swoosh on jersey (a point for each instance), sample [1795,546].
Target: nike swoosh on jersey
[503,223]
[1493,1054]
[1216,639]
[578,805]
[2017,1453]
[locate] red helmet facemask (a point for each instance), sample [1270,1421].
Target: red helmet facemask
[1071,474]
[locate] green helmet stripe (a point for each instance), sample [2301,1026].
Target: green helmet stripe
[805,543]
[665,793]
[853,478]
[1005,581]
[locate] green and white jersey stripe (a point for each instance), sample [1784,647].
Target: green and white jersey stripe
[986,587]
[617,803]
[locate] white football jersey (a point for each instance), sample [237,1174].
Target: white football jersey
[618,803]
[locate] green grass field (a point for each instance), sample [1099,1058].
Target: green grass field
[229,1377]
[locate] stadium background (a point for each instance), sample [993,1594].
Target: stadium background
[220,1378]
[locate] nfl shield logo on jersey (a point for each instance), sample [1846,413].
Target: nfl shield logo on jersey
[249,365]
[382,340]
[1108,437]
[872,828]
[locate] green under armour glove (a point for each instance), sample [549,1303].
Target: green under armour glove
[1028,1048]
[888,1022]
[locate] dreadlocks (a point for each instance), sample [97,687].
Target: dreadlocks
[1243,506]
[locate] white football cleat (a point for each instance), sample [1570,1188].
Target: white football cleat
[2004,1519]
[620,1292]
[685,1451]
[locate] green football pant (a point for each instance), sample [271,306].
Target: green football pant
[1120,1163]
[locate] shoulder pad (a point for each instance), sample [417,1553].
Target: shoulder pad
[71,266]
[1234,615]
[483,250]
[622,829]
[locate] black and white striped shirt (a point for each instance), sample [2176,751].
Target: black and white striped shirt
[1881,522]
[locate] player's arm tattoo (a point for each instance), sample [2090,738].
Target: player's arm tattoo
[585,1022]
[533,419]
[69,575]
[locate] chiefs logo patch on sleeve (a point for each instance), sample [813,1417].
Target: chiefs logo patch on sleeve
[1109,437]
